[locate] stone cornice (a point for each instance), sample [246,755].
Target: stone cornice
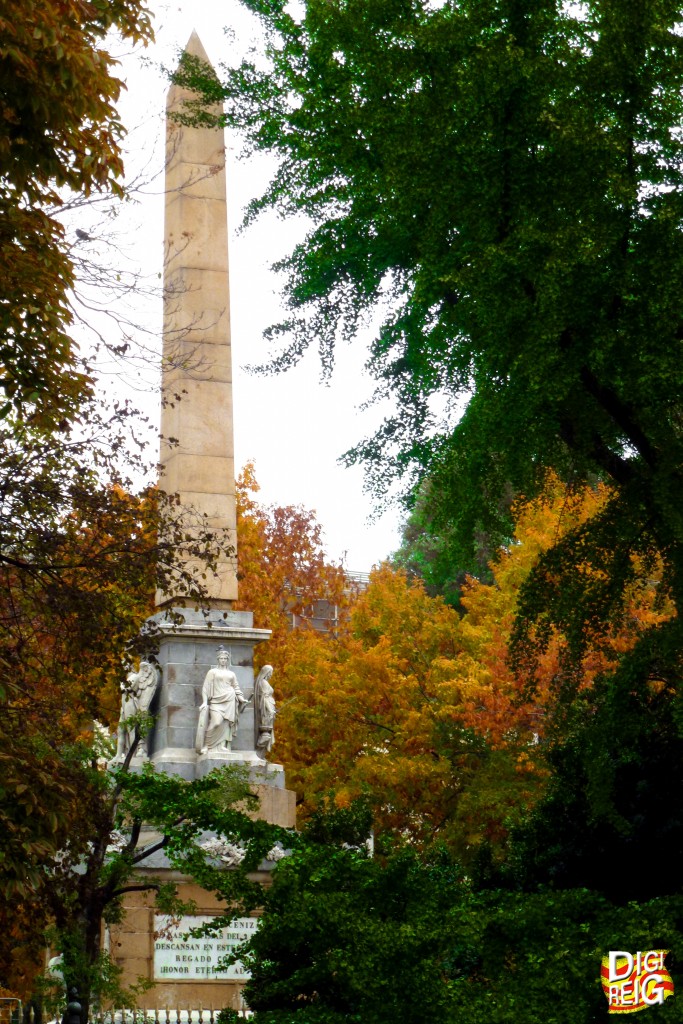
[232,634]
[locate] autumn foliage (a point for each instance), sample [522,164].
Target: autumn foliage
[418,708]
[60,131]
[402,700]
[282,570]
[76,590]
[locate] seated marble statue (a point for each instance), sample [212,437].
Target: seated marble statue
[222,701]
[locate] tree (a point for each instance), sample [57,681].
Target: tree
[396,708]
[76,553]
[80,557]
[283,572]
[360,710]
[76,595]
[612,817]
[62,132]
[419,709]
[425,553]
[347,937]
[363,940]
[505,181]
[85,883]
[431,549]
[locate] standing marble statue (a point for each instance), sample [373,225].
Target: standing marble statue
[136,697]
[222,701]
[265,711]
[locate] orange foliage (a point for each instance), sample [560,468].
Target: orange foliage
[359,711]
[417,708]
[281,566]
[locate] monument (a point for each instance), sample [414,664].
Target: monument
[207,709]
[197,460]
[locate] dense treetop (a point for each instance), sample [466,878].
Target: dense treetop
[503,179]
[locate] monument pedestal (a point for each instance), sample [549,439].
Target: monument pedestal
[187,651]
[182,969]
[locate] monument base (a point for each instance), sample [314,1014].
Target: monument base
[187,651]
[184,971]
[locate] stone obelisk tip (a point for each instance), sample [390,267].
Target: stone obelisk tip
[195,48]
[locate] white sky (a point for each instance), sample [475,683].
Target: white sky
[293,426]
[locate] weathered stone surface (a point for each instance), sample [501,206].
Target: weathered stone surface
[186,655]
[197,372]
[133,949]
[278,806]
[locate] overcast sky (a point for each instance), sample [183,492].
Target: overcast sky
[292,425]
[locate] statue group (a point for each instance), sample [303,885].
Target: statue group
[223,702]
[219,713]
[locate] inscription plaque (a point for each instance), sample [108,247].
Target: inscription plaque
[182,958]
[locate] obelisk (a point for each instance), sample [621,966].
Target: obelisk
[197,385]
[197,455]
[197,450]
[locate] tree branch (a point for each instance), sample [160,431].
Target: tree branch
[620,412]
[134,836]
[155,847]
[136,888]
[618,468]
[377,725]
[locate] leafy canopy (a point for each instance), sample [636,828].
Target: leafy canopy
[347,938]
[60,132]
[80,558]
[284,576]
[419,709]
[503,180]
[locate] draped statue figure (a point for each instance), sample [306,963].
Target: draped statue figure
[264,698]
[222,701]
[136,696]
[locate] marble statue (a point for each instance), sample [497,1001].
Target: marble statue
[265,711]
[222,701]
[136,697]
[222,850]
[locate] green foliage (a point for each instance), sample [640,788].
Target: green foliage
[347,938]
[429,550]
[350,826]
[503,181]
[536,958]
[612,819]
[183,811]
[515,930]
[343,938]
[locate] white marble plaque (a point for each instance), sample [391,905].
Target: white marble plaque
[181,958]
